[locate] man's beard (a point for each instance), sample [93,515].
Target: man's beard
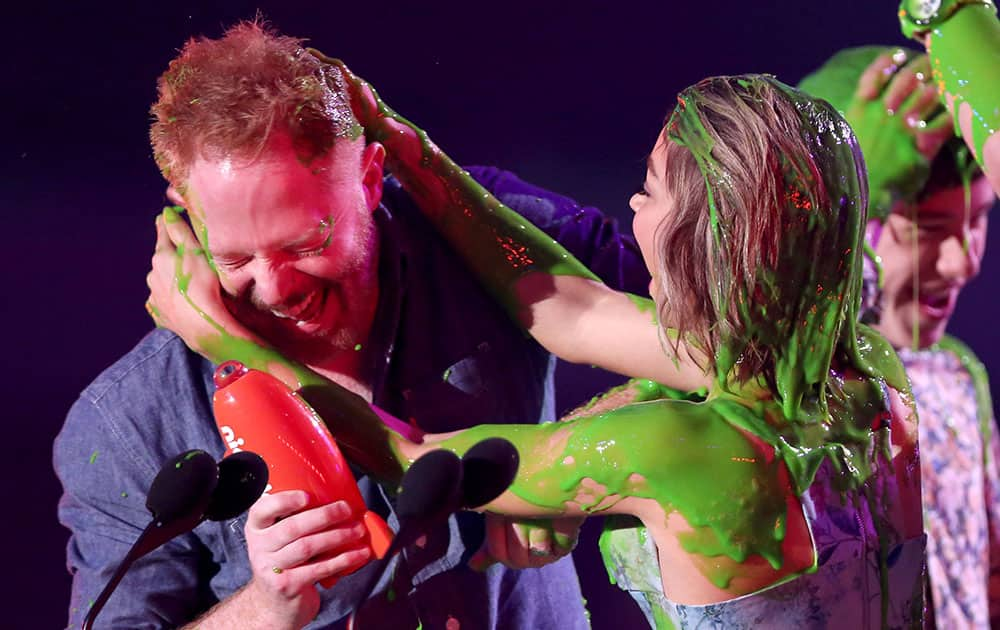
[317,348]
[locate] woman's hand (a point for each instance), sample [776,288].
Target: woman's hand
[525,543]
[184,292]
[405,143]
[366,105]
[900,125]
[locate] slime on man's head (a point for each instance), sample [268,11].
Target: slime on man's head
[292,92]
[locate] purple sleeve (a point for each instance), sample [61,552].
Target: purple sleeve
[586,232]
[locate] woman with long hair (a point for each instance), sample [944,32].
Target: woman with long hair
[790,495]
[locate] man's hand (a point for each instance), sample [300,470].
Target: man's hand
[962,38]
[900,126]
[184,292]
[284,541]
[282,544]
[525,544]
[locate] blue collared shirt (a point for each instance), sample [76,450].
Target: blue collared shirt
[441,353]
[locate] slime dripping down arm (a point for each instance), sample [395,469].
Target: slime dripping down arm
[649,459]
[635,390]
[599,463]
[705,488]
[543,287]
[963,41]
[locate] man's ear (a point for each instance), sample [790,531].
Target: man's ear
[175,197]
[195,220]
[372,160]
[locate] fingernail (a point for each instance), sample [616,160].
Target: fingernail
[303,498]
[564,541]
[522,536]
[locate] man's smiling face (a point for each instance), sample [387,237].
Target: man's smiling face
[929,251]
[294,244]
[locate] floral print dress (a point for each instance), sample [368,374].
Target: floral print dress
[959,453]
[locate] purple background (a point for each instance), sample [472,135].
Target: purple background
[569,99]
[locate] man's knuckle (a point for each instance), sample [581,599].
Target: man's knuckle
[305,548]
[336,565]
[283,584]
[292,529]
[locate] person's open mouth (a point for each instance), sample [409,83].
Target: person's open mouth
[305,311]
[936,304]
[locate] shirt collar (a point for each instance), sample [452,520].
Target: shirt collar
[392,288]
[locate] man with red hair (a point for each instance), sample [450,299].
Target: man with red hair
[299,244]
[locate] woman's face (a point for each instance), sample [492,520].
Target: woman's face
[651,206]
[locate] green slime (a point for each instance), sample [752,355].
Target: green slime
[916,17]
[360,433]
[981,383]
[809,315]
[662,450]
[737,511]
[896,169]
[965,55]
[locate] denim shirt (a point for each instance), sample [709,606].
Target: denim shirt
[441,353]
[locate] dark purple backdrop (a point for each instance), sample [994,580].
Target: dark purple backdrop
[570,99]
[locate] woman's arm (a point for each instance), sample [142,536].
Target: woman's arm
[963,40]
[584,321]
[648,459]
[717,501]
[634,390]
[552,295]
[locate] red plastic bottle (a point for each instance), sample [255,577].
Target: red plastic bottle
[257,412]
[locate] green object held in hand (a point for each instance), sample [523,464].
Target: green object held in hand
[920,16]
[964,47]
